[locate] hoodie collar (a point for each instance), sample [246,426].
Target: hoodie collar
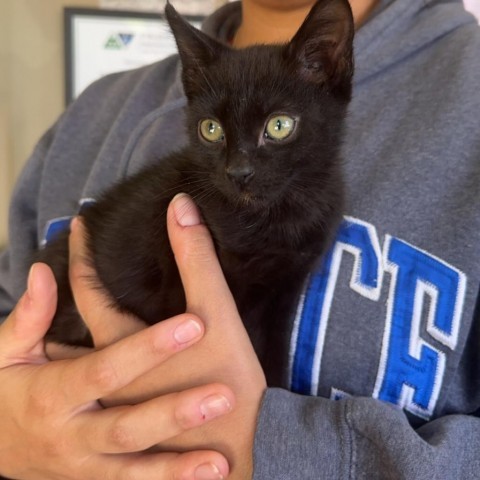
[398,29]
[395,30]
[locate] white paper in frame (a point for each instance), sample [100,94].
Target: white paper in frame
[100,42]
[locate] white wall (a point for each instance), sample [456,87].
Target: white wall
[188,7]
[5,174]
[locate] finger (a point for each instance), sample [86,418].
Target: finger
[58,351]
[106,324]
[21,335]
[199,268]
[196,465]
[108,370]
[130,429]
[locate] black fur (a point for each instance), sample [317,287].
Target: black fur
[269,232]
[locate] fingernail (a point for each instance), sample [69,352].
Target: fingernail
[214,406]
[74,224]
[187,331]
[186,212]
[208,471]
[30,285]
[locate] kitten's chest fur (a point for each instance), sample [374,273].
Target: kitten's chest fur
[266,262]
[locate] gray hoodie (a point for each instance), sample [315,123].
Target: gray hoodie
[384,376]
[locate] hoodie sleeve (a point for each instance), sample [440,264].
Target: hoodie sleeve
[23,221]
[360,438]
[87,145]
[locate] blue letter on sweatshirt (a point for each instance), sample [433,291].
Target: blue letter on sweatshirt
[359,239]
[411,371]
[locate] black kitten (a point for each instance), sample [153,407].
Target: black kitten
[265,127]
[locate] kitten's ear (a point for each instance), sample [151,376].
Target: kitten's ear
[197,50]
[322,49]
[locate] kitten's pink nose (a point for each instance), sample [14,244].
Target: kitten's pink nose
[240,174]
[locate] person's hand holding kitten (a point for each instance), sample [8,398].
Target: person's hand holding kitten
[75,438]
[224,354]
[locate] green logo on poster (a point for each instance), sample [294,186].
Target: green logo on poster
[117,41]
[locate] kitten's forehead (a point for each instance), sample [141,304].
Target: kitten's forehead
[319,55]
[252,80]
[258,66]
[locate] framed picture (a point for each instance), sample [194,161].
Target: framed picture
[99,42]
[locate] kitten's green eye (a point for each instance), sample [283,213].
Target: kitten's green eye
[279,127]
[211,130]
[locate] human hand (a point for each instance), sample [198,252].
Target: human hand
[225,354]
[53,428]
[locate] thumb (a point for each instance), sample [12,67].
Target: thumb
[21,335]
[208,296]
[206,289]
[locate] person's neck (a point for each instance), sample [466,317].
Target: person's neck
[263,24]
